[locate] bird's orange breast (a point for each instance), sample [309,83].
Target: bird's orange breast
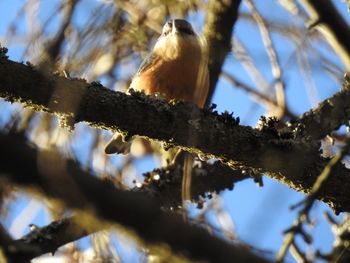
[184,77]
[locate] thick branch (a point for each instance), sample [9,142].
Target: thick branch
[329,115]
[282,155]
[164,184]
[62,179]
[222,15]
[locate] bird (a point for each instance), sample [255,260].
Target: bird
[176,68]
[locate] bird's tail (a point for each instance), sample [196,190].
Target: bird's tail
[187,178]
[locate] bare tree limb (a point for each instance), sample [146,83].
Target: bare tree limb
[221,18]
[47,239]
[329,114]
[164,184]
[62,179]
[10,251]
[287,155]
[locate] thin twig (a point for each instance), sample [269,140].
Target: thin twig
[331,24]
[241,53]
[309,201]
[257,95]
[272,54]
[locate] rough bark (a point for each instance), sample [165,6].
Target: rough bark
[289,155]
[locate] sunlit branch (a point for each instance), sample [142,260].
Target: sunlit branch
[290,155]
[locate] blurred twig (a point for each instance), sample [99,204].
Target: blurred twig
[241,53]
[260,97]
[54,46]
[341,246]
[272,54]
[327,19]
[303,215]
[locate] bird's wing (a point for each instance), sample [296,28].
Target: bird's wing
[148,62]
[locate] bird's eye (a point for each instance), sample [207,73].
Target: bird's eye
[166,32]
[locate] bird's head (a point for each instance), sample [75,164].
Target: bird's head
[177,38]
[178,27]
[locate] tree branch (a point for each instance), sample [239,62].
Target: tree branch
[221,18]
[325,16]
[329,115]
[64,180]
[47,239]
[286,155]
[164,184]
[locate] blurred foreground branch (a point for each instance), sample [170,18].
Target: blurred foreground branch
[48,173]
